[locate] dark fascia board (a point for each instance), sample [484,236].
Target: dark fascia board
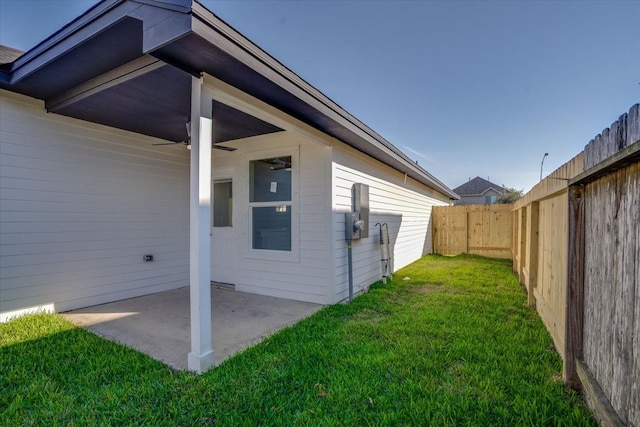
[37,56]
[212,28]
[187,16]
[97,19]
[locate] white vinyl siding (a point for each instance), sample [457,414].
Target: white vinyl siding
[304,273]
[80,204]
[404,205]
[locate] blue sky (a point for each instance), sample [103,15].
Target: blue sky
[465,88]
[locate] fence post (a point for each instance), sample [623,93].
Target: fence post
[466,232]
[575,286]
[532,254]
[522,256]
[514,239]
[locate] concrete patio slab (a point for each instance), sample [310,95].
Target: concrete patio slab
[158,324]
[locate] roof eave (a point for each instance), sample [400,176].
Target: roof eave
[491,188]
[94,21]
[179,18]
[53,46]
[249,53]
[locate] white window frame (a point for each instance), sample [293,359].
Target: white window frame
[267,254]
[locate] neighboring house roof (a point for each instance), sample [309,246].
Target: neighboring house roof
[477,187]
[124,62]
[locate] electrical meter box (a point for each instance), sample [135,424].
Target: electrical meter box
[352,226]
[359,215]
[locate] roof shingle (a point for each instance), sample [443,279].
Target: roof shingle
[9,54]
[476,186]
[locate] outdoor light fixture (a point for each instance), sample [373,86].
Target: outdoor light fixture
[542,163]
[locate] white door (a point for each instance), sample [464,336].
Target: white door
[224,252]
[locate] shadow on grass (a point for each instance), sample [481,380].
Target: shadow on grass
[71,375]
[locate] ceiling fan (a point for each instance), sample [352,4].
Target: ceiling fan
[279,164]
[187,142]
[223,147]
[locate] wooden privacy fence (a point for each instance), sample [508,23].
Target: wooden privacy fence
[574,239]
[473,229]
[576,249]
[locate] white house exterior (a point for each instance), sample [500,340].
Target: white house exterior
[89,186]
[79,205]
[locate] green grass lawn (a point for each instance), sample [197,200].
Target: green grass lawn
[449,341]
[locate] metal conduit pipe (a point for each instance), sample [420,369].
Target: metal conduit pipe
[356,224]
[352,225]
[350,263]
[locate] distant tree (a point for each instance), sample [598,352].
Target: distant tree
[509,195]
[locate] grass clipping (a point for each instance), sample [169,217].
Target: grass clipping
[449,341]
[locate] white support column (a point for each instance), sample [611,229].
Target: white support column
[201,356]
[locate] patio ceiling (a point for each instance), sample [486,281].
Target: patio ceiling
[156,103]
[128,64]
[107,79]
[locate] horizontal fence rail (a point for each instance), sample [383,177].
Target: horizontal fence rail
[474,229]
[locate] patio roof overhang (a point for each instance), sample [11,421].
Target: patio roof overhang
[129,64]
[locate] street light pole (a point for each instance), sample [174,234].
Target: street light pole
[542,163]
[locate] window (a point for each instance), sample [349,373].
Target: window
[222,203]
[270,202]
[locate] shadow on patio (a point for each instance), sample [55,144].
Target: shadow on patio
[158,324]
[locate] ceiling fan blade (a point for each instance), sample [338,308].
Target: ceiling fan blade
[223,148]
[171,143]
